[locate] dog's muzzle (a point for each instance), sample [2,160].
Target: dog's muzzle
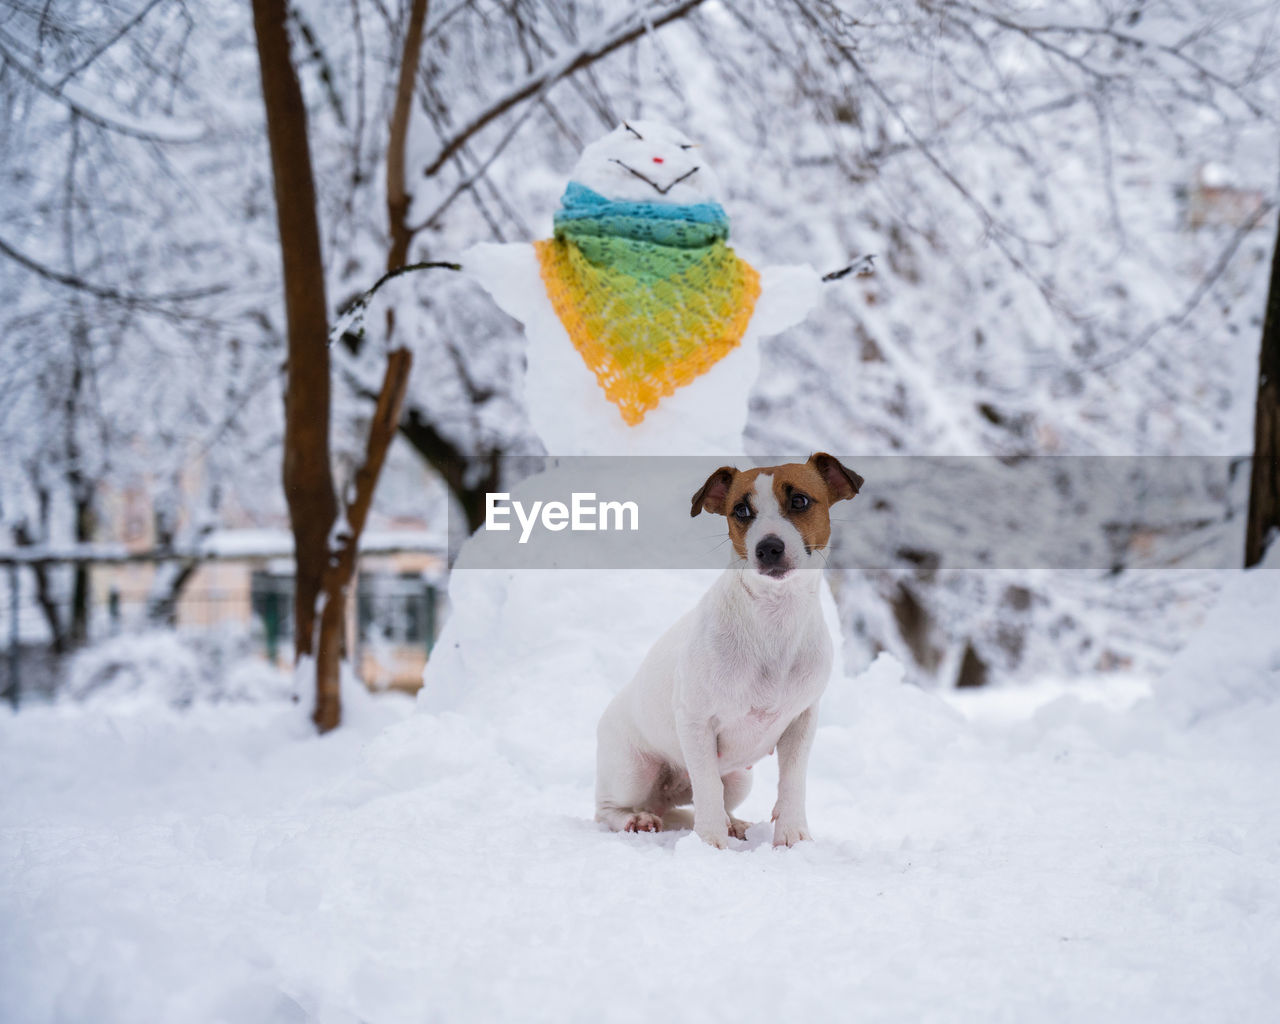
[769,552]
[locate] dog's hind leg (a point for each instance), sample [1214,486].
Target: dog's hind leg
[737,784]
[626,780]
[625,791]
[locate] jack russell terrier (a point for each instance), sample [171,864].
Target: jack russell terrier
[739,674]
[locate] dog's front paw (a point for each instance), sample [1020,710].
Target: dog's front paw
[738,827]
[643,821]
[789,833]
[717,837]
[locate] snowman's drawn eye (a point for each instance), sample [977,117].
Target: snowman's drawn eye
[632,131]
[686,145]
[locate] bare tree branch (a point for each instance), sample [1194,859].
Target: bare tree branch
[479,172]
[1037,33]
[125,27]
[1206,283]
[104,292]
[990,224]
[859,266]
[147,129]
[629,27]
[351,321]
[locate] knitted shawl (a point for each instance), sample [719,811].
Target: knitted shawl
[649,292]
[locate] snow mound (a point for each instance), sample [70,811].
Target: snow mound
[537,654]
[1232,662]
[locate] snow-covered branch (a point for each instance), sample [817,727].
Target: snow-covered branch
[846,49]
[125,27]
[87,105]
[859,266]
[1211,278]
[351,320]
[1043,35]
[103,291]
[630,26]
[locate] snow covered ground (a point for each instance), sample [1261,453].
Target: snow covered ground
[1013,855]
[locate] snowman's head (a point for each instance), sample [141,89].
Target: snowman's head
[647,161]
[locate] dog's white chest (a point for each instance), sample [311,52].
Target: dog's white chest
[750,732]
[750,739]
[764,682]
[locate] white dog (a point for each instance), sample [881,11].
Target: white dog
[738,675]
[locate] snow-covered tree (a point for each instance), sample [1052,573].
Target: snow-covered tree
[139,339]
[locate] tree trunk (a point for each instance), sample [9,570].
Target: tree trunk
[78,634]
[82,489]
[342,560]
[399,197]
[1264,482]
[308,480]
[23,538]
[443,456]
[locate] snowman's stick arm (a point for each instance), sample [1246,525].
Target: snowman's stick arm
[351,320]
[407,268]
[863,266]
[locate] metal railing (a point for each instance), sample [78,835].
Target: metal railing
[395,613]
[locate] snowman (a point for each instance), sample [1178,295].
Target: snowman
[644,330]
[643,325]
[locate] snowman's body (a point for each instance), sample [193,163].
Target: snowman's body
[506,626]
[566,406]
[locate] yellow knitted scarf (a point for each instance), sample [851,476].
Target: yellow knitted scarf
[650,294]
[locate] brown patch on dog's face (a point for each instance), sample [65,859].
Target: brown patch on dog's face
[741,508]
[805,502]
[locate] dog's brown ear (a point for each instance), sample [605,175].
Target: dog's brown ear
[842,483]
[712,495]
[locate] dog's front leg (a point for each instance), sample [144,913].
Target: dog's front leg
[790,825]
[698,744]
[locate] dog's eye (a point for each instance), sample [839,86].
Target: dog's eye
[742,510]
[799,502]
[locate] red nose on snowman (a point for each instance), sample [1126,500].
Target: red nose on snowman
[657,160]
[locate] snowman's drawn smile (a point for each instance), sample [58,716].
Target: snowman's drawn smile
[662,190]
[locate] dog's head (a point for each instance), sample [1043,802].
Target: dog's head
[779,516]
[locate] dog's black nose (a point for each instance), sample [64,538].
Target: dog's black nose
[769,550]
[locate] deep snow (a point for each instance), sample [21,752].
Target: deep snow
[1014,855]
